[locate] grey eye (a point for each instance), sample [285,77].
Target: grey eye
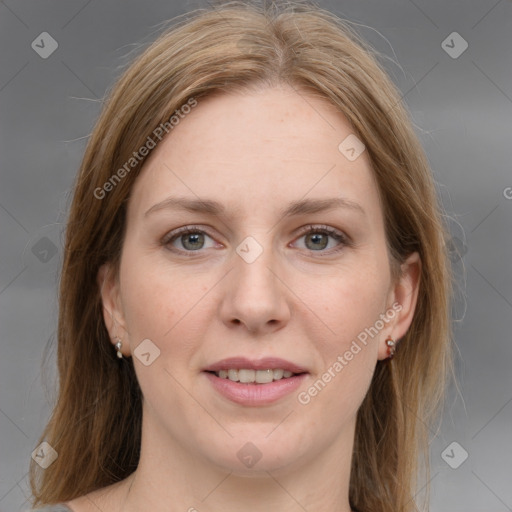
[318,241]
[192,241]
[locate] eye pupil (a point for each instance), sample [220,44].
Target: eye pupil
[193,241]
[317,237]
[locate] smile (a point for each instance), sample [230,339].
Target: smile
[249,376]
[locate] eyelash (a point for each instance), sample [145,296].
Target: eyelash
[339,236]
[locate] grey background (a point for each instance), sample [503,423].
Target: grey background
[462,108]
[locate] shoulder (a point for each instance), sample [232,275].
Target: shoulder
[53,508]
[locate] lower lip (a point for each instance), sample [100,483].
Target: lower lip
[255,394]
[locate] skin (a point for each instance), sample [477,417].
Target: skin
[254,152]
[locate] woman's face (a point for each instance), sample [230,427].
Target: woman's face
[285,267]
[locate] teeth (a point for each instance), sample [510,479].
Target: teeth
[246,375]
[278,374]
[250,376]
[264,376]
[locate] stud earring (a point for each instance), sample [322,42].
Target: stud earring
[118,348]
[391,344]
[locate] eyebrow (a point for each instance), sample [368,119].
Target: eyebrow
[300,207]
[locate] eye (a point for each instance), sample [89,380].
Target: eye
[188,239]
[316,239]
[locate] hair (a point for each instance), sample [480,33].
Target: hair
[95,425]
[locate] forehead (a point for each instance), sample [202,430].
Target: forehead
[257,149]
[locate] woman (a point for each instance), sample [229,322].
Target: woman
[254,297]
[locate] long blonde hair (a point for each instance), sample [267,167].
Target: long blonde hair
[96,423]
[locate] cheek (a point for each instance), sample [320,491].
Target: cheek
[150,307]
[151,298]
[154,308]
[161,304]
[351,300]
[350,308]
[347,362]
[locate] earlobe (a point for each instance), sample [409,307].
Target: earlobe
[404,297]
[109,292]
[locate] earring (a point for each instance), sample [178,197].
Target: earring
[118,348]
[391,347]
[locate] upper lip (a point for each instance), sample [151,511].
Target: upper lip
[266,363]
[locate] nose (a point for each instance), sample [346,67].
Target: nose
[255,295]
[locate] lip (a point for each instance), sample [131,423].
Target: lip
[255,364]
[255,394]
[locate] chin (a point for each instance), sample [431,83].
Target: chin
[254,453]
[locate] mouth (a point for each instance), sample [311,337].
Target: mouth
[255,382]
[250,376]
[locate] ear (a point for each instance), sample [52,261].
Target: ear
[113,316]
[402,299]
